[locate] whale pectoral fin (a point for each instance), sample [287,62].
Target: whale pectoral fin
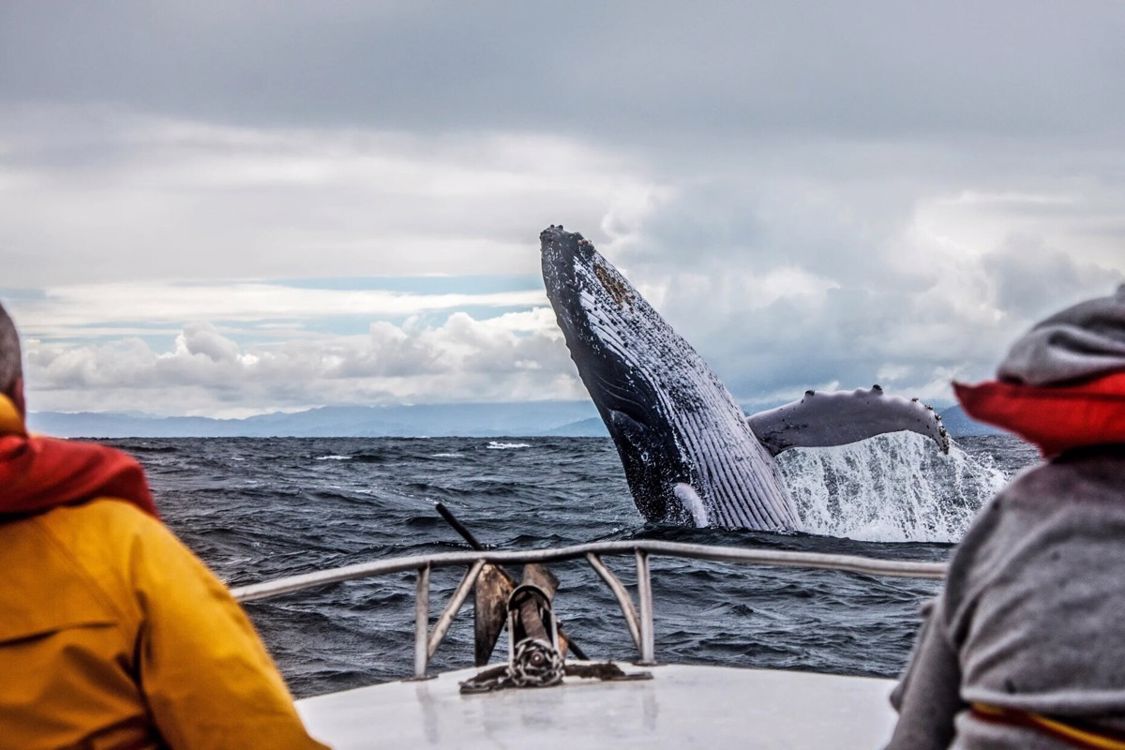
[693,504]
[836,418]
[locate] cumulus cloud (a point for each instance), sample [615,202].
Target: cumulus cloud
[807,279]
[515,356]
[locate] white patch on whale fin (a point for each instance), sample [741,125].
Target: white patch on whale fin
[693,503]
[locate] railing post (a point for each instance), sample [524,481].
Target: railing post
[644,594]
[421,622]
[623,598]
[455,602]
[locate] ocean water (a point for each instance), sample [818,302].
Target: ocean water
[256,509]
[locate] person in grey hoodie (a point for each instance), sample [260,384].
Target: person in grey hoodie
[1025,646]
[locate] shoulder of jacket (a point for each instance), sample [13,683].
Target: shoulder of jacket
[102,537]
[107,520]
[67,567]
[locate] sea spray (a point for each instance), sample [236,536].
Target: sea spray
[890,488]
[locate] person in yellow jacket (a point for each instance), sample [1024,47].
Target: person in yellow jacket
[112,634]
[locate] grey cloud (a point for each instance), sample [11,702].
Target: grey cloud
[158,198]
[846,339]
[1033,279]
[765,220]
[866,291]
[635,70]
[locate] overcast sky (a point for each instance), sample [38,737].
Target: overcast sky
[224,208]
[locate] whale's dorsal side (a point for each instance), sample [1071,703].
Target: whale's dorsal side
[836,418]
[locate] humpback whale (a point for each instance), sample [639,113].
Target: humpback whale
[690,454]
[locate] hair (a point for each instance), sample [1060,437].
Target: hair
[11,367]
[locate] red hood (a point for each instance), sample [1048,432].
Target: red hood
[1056,417]
[39,473]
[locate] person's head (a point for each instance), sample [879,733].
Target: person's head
[1062,384]
[11,366]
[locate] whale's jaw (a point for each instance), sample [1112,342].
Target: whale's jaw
[688,454]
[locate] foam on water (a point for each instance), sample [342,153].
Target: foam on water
[499,446]
[891,488]
[333,457]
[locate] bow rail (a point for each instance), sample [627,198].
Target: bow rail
[638,619]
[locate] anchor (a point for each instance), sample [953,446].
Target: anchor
[537,644]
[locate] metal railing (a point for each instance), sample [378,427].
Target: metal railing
[638,618]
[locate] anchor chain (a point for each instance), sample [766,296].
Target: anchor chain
[535,664]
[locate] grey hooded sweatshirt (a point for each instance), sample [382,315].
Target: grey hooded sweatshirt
[1032,617]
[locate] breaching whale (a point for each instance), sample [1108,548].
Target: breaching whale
[690,454]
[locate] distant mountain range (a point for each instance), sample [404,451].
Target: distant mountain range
[534,418]
[523,419]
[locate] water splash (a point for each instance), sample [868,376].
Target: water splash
[890,488]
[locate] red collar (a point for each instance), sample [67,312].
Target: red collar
[40,473]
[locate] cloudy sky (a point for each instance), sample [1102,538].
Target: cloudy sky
[225,208]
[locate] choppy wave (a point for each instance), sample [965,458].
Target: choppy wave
[496,445]
[333,457]
[891,488]
[367,457]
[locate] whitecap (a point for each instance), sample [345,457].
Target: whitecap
[446,455]
[333,457]
[499,446]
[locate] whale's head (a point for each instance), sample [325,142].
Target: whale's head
[601,317]
[667,413]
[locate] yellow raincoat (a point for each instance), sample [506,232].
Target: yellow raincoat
[113,635]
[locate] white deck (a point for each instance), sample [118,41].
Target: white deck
[681,707]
